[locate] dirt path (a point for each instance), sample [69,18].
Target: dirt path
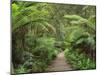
[59,64]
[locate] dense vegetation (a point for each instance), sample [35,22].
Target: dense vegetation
[41,30]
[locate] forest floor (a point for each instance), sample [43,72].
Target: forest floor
[59,64]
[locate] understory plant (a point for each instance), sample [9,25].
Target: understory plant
[40,54]
[79,61]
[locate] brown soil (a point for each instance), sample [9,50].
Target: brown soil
[59,64]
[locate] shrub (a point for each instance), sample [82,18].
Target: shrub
[79,61]
[40,51]
[21,69]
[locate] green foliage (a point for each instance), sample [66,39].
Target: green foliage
[74,35]
[28,25]
[41,30]
[73,17]
[21,69]
[46,48]
[82,36]
[79,61]
[81,39]
[43,51]
[15,9]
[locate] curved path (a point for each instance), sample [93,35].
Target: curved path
[59,64]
